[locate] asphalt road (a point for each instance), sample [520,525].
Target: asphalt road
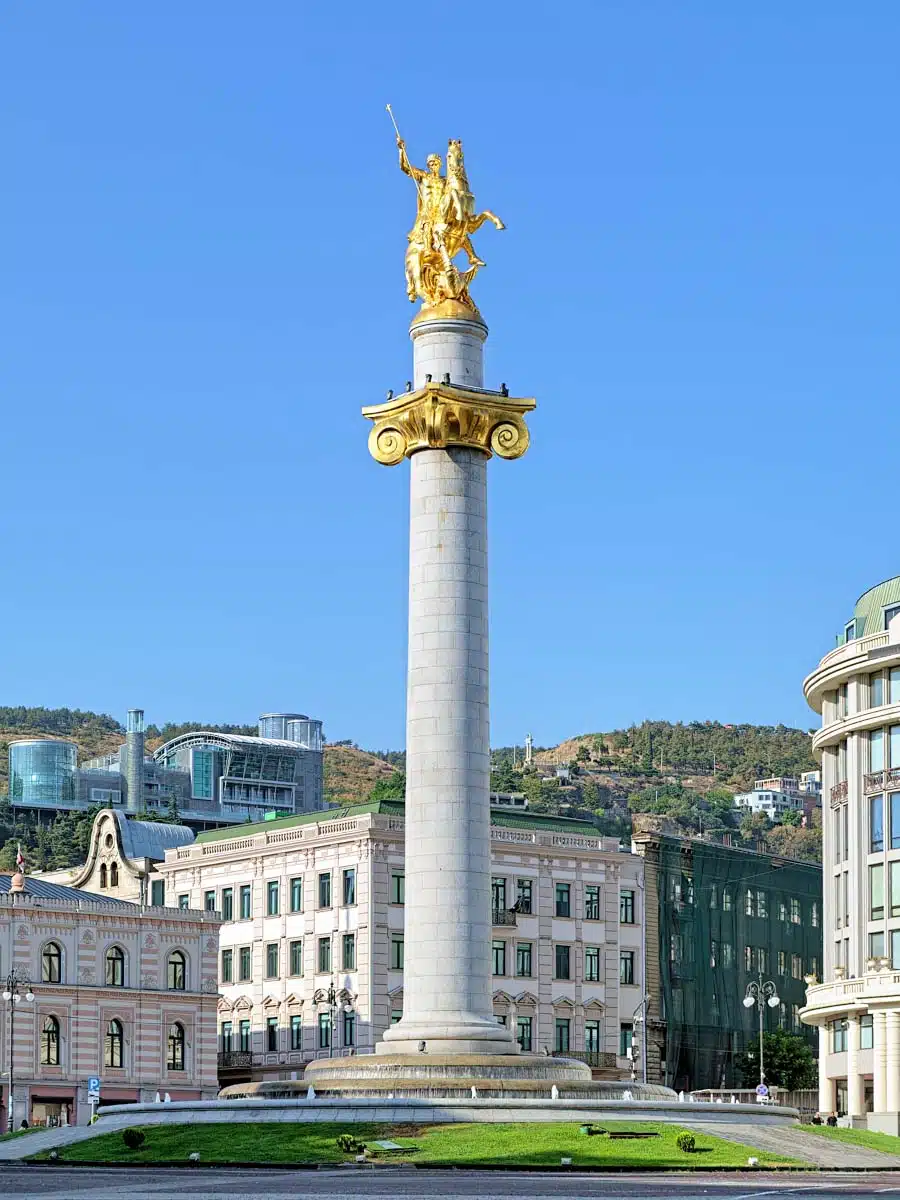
[64,1183]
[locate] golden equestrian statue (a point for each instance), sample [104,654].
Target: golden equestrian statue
[445,221]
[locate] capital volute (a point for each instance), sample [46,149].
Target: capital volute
[439,415]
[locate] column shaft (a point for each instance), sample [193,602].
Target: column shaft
[879,1059]
[826,1087]
[854,1079]
[892,1061]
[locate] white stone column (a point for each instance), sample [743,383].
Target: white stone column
[855,1103]
[879,1061]
[826,1087]
[892,1061]
[447,935]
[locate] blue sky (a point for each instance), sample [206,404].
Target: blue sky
[201,282]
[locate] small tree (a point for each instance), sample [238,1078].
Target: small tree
[393,788]
[787,1059]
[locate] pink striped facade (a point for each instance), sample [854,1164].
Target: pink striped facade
[83,1004]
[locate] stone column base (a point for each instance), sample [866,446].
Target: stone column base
[884,1122]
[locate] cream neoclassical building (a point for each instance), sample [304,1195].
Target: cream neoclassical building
[856,688]
[312,950]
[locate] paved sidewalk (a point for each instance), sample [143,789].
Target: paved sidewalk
[808,1147]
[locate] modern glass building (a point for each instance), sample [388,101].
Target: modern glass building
[42,772]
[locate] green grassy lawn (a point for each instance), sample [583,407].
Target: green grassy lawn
[5,1137]
[465,1145]
[858,1137]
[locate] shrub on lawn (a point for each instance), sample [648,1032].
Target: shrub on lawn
[686,1142]
[348,1144]
[133,1138]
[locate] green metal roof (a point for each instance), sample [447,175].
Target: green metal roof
[869,611]
[395,808]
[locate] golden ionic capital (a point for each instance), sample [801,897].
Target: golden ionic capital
[439,415]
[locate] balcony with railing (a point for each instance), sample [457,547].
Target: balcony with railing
[881,781]
[232,1059]
[839,792]
[597,1060]
[503,916]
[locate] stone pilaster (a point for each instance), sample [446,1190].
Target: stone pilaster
[855,1103]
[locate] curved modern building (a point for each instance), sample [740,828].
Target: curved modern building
[42,772]
[856,689]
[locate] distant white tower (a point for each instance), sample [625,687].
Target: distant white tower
[529,749]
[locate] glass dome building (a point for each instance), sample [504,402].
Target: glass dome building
[42,771]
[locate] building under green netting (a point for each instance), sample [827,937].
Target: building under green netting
[717,917]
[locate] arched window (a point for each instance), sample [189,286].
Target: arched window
[175,1060]
[51,963]
[114,875]
[50,1043]
[103,875]
[177,972]
[112,1050]
[115,967]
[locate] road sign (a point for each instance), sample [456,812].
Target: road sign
[762,1090]
[93,1087]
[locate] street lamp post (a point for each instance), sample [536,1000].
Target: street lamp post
[639,1017]
[18,988]
[761,993]
[332,1000]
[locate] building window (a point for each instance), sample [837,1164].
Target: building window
[176,971]
[713,953]
[498,957]
[592,1037]
[523,959]
[748,903]
[562,956]
[112,1046]
[396,953]
[523,896]
[796,966]
[626,1038]
[103,880]
[350,886]
[50,1043]
[272,898]
[838,1036]
[296,1032]
[748,958]
[727,900]
[727,954]
[895,949]
[591,963]
[761,905]
[296,953]
[523,1033]
[227,966]
[348,952]
[325,890]
[175,1060]
[876,892]
[876,945]
[271,1034]
[324,1030]
[398,888]
[894,686]
[894,800]
[895,887]
[324,955]
[563,900]
[158,893]
[184,902]
[228,904]
[592,902]
[115,967]
[244,964]
[561,1028]
[782,962]
[761,957]
[626,908]
[396,1015]
[272,960]
[246,910]
[51,963]
[795,911]
[876,824]
[876,690]
[114,875]
[626,966]
[244,1035]
[349,1030]
[498,894]
[209,901]
[202,774]
[297,895]
[876,750]
[227,1037]
[866,1039]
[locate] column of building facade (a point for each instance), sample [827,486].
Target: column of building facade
[892,1061]
[879,1060]
[855,1103]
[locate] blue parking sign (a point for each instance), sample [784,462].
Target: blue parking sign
[93,1087]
